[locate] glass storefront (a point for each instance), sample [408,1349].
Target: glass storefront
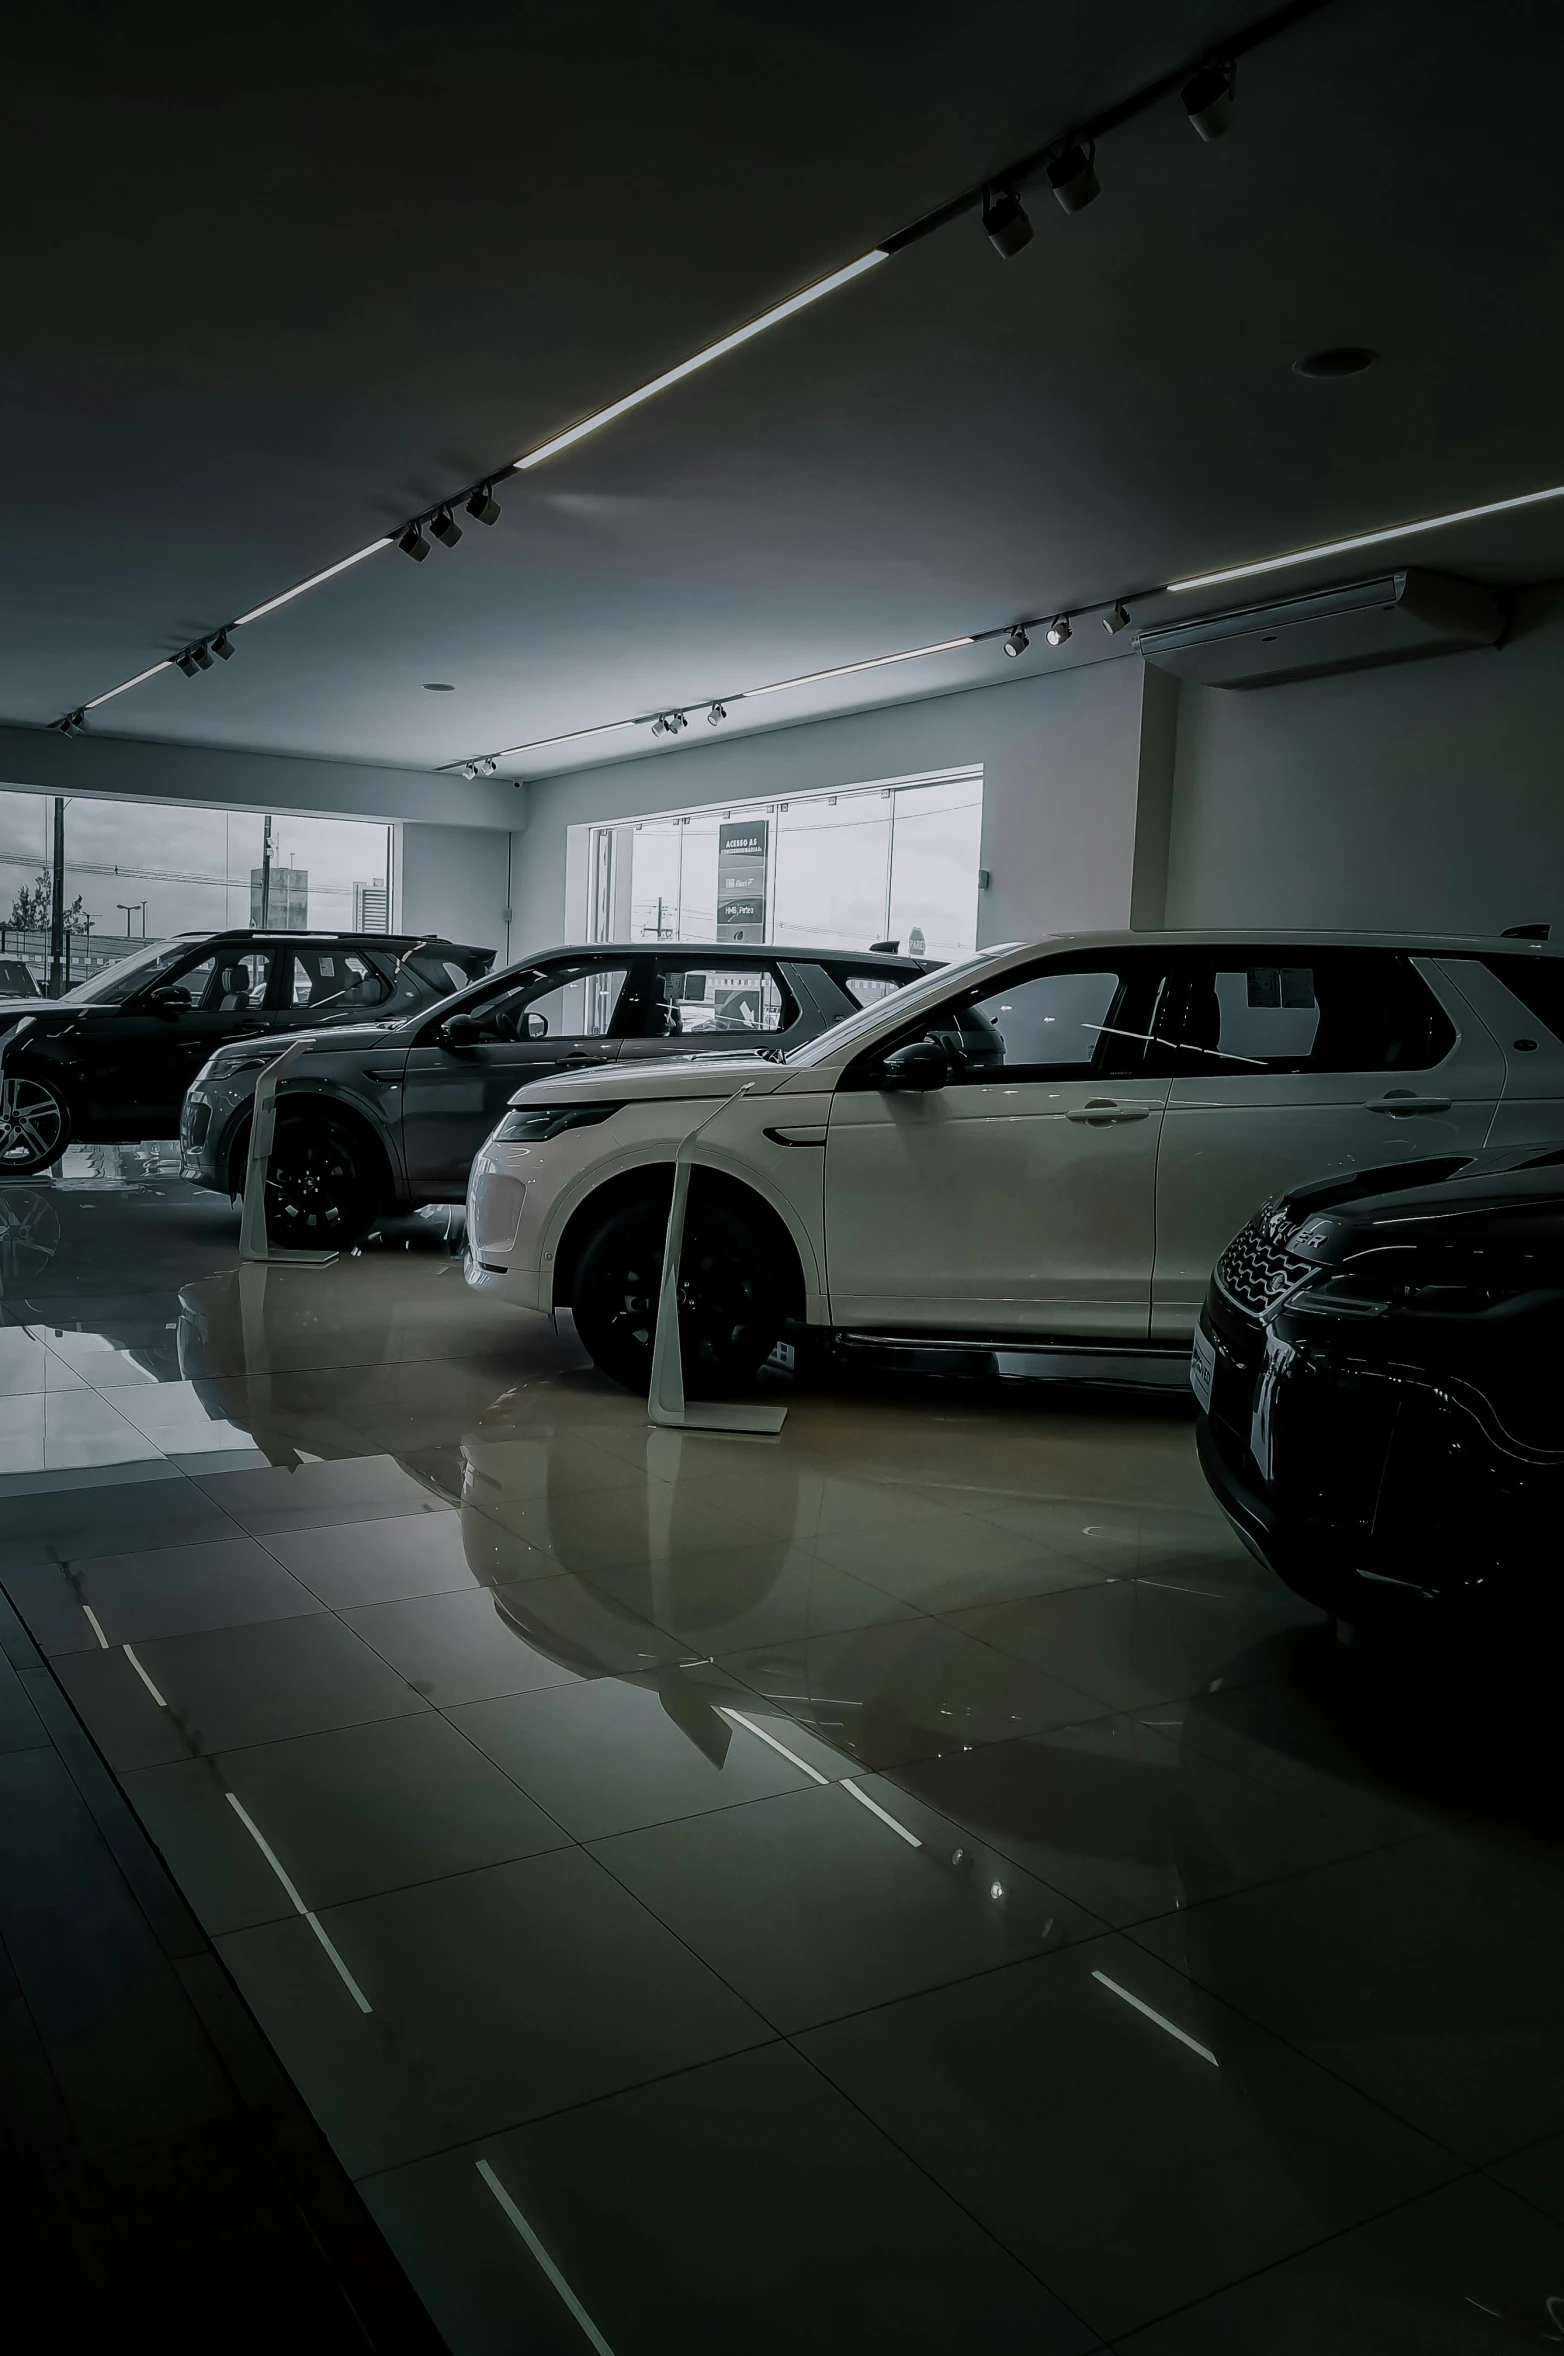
[137,872]
[896,861]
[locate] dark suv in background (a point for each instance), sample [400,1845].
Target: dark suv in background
[388,1115]
[111,1060]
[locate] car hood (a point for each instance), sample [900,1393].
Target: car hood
[1489,1203]
[635,1082]
[326,1039]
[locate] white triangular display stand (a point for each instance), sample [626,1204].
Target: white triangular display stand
[253,1245]
[666,1404]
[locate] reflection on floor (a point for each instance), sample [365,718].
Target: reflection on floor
[911,1883]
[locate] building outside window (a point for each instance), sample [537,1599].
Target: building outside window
[141,871]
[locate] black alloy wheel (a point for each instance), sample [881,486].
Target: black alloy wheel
[730,1302]
[35,1124]
[319,1195]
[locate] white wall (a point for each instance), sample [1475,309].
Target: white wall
[455,881]
[1061,758]
[1422,796]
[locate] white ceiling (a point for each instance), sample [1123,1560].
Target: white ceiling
[287,278]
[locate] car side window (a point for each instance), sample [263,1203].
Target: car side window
[566,1002]
[195,980]
[333,982]
[680,1001]
[239,979]
[1302,1010]
[1091,1019]
[867,989]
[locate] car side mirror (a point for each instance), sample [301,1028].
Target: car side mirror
[921,1065]
[171,999]
[537,1026]
[462,1030]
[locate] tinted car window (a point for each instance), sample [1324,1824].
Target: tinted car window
[680,1001]
[566,1002]
[1538,982]
[239,980]
[333,982]
[1090,1020]
[1328,1010]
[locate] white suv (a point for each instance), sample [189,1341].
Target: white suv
[1048,1144]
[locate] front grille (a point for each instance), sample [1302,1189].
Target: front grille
[1257,1268]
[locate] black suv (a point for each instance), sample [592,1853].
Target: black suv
[111,1060]
[389,1114]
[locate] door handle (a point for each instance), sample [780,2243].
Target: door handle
[1100,1112]
[572,1063]
[1402,1100]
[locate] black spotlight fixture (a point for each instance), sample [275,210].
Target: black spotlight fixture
[223,647]
[1116,618]
[412,543]
[1072,174]
[1017,642]
[483,507]
[1058,629]
[203,656]
[716,715]
[1006,222]
[446,529]
[1208,98]
[73,723]
[187,663]
[1336,360]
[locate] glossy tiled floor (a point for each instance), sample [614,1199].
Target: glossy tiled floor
[914,1883]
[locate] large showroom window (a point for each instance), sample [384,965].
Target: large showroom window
[136,872]
[894,861]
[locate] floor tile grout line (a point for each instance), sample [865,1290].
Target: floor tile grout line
[944,2191]
[1283,2038]
[1306,2249]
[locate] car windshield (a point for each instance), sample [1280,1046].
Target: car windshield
[926,991]
[117,982]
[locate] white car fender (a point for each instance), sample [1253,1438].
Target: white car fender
[652,1154]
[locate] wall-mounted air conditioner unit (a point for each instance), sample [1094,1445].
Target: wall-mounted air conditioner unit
[1396,618]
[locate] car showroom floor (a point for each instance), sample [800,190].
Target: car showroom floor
[914,1883]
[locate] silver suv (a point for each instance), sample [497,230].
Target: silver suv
[388,1115]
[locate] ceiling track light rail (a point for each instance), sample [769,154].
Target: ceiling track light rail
[1067,162]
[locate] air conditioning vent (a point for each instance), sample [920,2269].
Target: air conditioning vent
[1396,618]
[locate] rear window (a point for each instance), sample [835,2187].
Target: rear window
[1538,982]
[868,989]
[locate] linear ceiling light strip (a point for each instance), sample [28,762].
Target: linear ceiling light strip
[716,351]
[345,564]
[1024,167]
[1427,523]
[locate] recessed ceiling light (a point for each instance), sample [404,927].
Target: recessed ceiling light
[439,687]
[1336,360]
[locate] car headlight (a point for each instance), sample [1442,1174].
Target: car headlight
[243,1059]
[531,1123]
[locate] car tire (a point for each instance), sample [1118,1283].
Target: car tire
[35,1124]
[731,1305]
[320,1189]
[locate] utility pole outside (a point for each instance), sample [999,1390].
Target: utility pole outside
[266,878]
[57,905]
